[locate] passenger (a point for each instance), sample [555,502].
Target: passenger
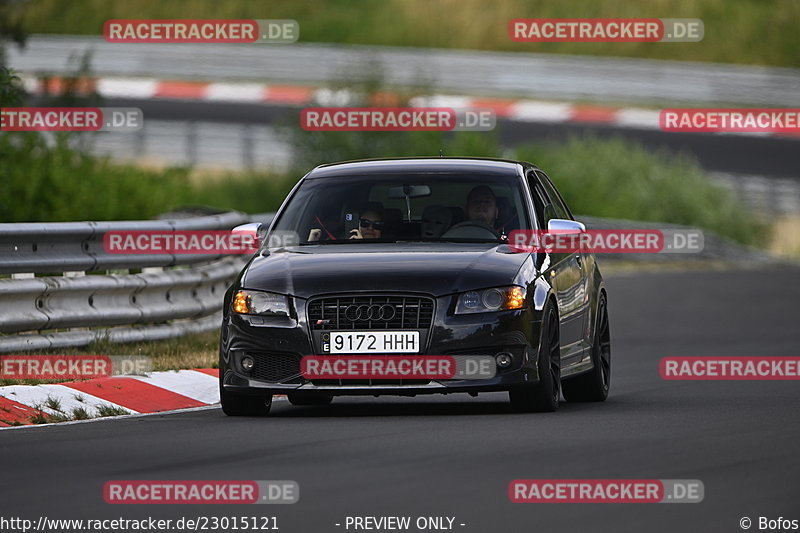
[370,225]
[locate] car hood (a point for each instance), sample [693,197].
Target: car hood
[432,268]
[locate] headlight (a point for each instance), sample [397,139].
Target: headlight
[260,303]
[496,299]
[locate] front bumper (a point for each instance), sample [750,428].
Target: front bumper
[278,345]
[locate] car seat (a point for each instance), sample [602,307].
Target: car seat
[507,218]
[436,219]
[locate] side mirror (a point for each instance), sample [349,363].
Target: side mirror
[565,226]
[256,229]
[252,227]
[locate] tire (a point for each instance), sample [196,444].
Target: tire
[308,399]
[593,386]
[243,405]
[543,397]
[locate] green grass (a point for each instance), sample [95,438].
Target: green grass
[192,351]
[78,413]
[199,350]
[53,403]
[760,32]
[110,410]
[43,418]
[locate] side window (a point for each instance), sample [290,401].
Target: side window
[540,201]
[559,206]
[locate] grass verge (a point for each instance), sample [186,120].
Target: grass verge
[77,413]
[192,351]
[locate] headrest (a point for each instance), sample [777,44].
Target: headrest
[436,219]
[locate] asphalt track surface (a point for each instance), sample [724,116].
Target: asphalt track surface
[763,156]
[455,455]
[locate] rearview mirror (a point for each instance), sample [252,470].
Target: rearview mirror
[409,191]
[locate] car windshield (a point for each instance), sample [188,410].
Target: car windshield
[403,208]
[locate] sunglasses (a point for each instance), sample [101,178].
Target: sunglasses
[367,223]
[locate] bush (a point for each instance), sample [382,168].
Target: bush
[312,148]
[52,182]
[598,177]
[621,179]
[43,182]
[250,192]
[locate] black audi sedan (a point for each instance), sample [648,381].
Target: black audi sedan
[410,258]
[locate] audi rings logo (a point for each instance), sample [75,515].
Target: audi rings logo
[361,313]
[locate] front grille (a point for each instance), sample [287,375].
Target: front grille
[274,367]
[370,312]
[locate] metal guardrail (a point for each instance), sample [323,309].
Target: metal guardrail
[715,247]
[78,246]
[171,296]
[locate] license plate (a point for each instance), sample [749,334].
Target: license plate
[372,342]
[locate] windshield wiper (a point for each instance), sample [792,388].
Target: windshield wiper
[283,249]
[453,240]
[349,241]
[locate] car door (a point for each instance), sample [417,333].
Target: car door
[569,278]
[587,262]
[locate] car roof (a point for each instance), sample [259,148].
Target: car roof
[503,167]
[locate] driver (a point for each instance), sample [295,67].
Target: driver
[482,206]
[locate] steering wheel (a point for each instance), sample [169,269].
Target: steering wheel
[470,230]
